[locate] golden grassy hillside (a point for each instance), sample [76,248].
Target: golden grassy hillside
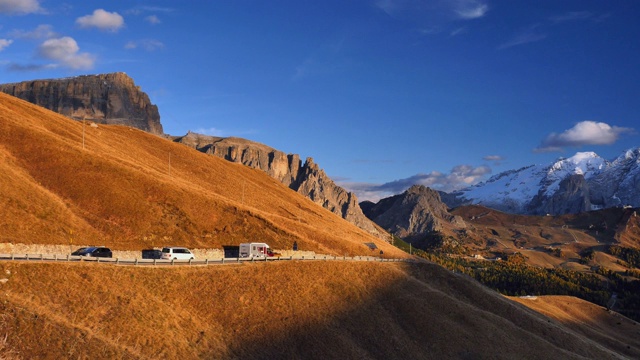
[587,319]
[127,189]
[288,310]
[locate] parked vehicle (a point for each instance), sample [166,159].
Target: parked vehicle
[152,254]
[255,250]
[176,253]
[231,251]
[93,251]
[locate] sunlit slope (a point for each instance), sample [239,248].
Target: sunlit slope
[65,182]
[310,310]
[590,320]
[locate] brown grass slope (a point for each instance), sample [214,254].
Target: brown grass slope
[127,189]
[606,327]
[604,226]
[310,310]
[534,236]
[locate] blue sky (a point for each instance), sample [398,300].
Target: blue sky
[381,93]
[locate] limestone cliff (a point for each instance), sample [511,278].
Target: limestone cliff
[105,98]
[307,179]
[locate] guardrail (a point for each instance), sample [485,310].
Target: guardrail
[220,261]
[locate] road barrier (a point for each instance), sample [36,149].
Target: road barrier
[174,262]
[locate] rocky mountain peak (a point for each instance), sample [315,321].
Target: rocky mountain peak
[417,212]
[104,98]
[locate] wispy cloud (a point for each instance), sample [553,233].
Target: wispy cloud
[538,32]
[583,133]
[152,19]
[493,158]
[212,132]
[529,35]
[458,31]
[433,14]
[103,20]
[325,60]
[460,176]
[430,31]
[4,43]
[43,31]
[571,16]
[145,44]
[20,7]
[15,67]
[470,9]
[388,6]
[147,9]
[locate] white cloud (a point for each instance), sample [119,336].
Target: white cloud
[43,31]
[211,132]
[64,50]
[153,19]
[493,158]
[583,133]
[102,20]
[461,176]
[145,44]
[470,9]
[4,43]
[20,7]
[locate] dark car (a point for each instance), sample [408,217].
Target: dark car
[93,251]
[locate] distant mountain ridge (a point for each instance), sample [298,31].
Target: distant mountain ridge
[583,182]
[307,179]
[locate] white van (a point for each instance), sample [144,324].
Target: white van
[176,253]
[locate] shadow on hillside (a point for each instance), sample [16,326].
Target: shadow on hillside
[430,313]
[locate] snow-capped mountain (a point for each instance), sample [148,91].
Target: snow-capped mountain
[582,182]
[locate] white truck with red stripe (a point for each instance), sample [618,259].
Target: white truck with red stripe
[256,250]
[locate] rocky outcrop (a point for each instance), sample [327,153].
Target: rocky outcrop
[308,179]
[417,212]
[106,98]
[572,197]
